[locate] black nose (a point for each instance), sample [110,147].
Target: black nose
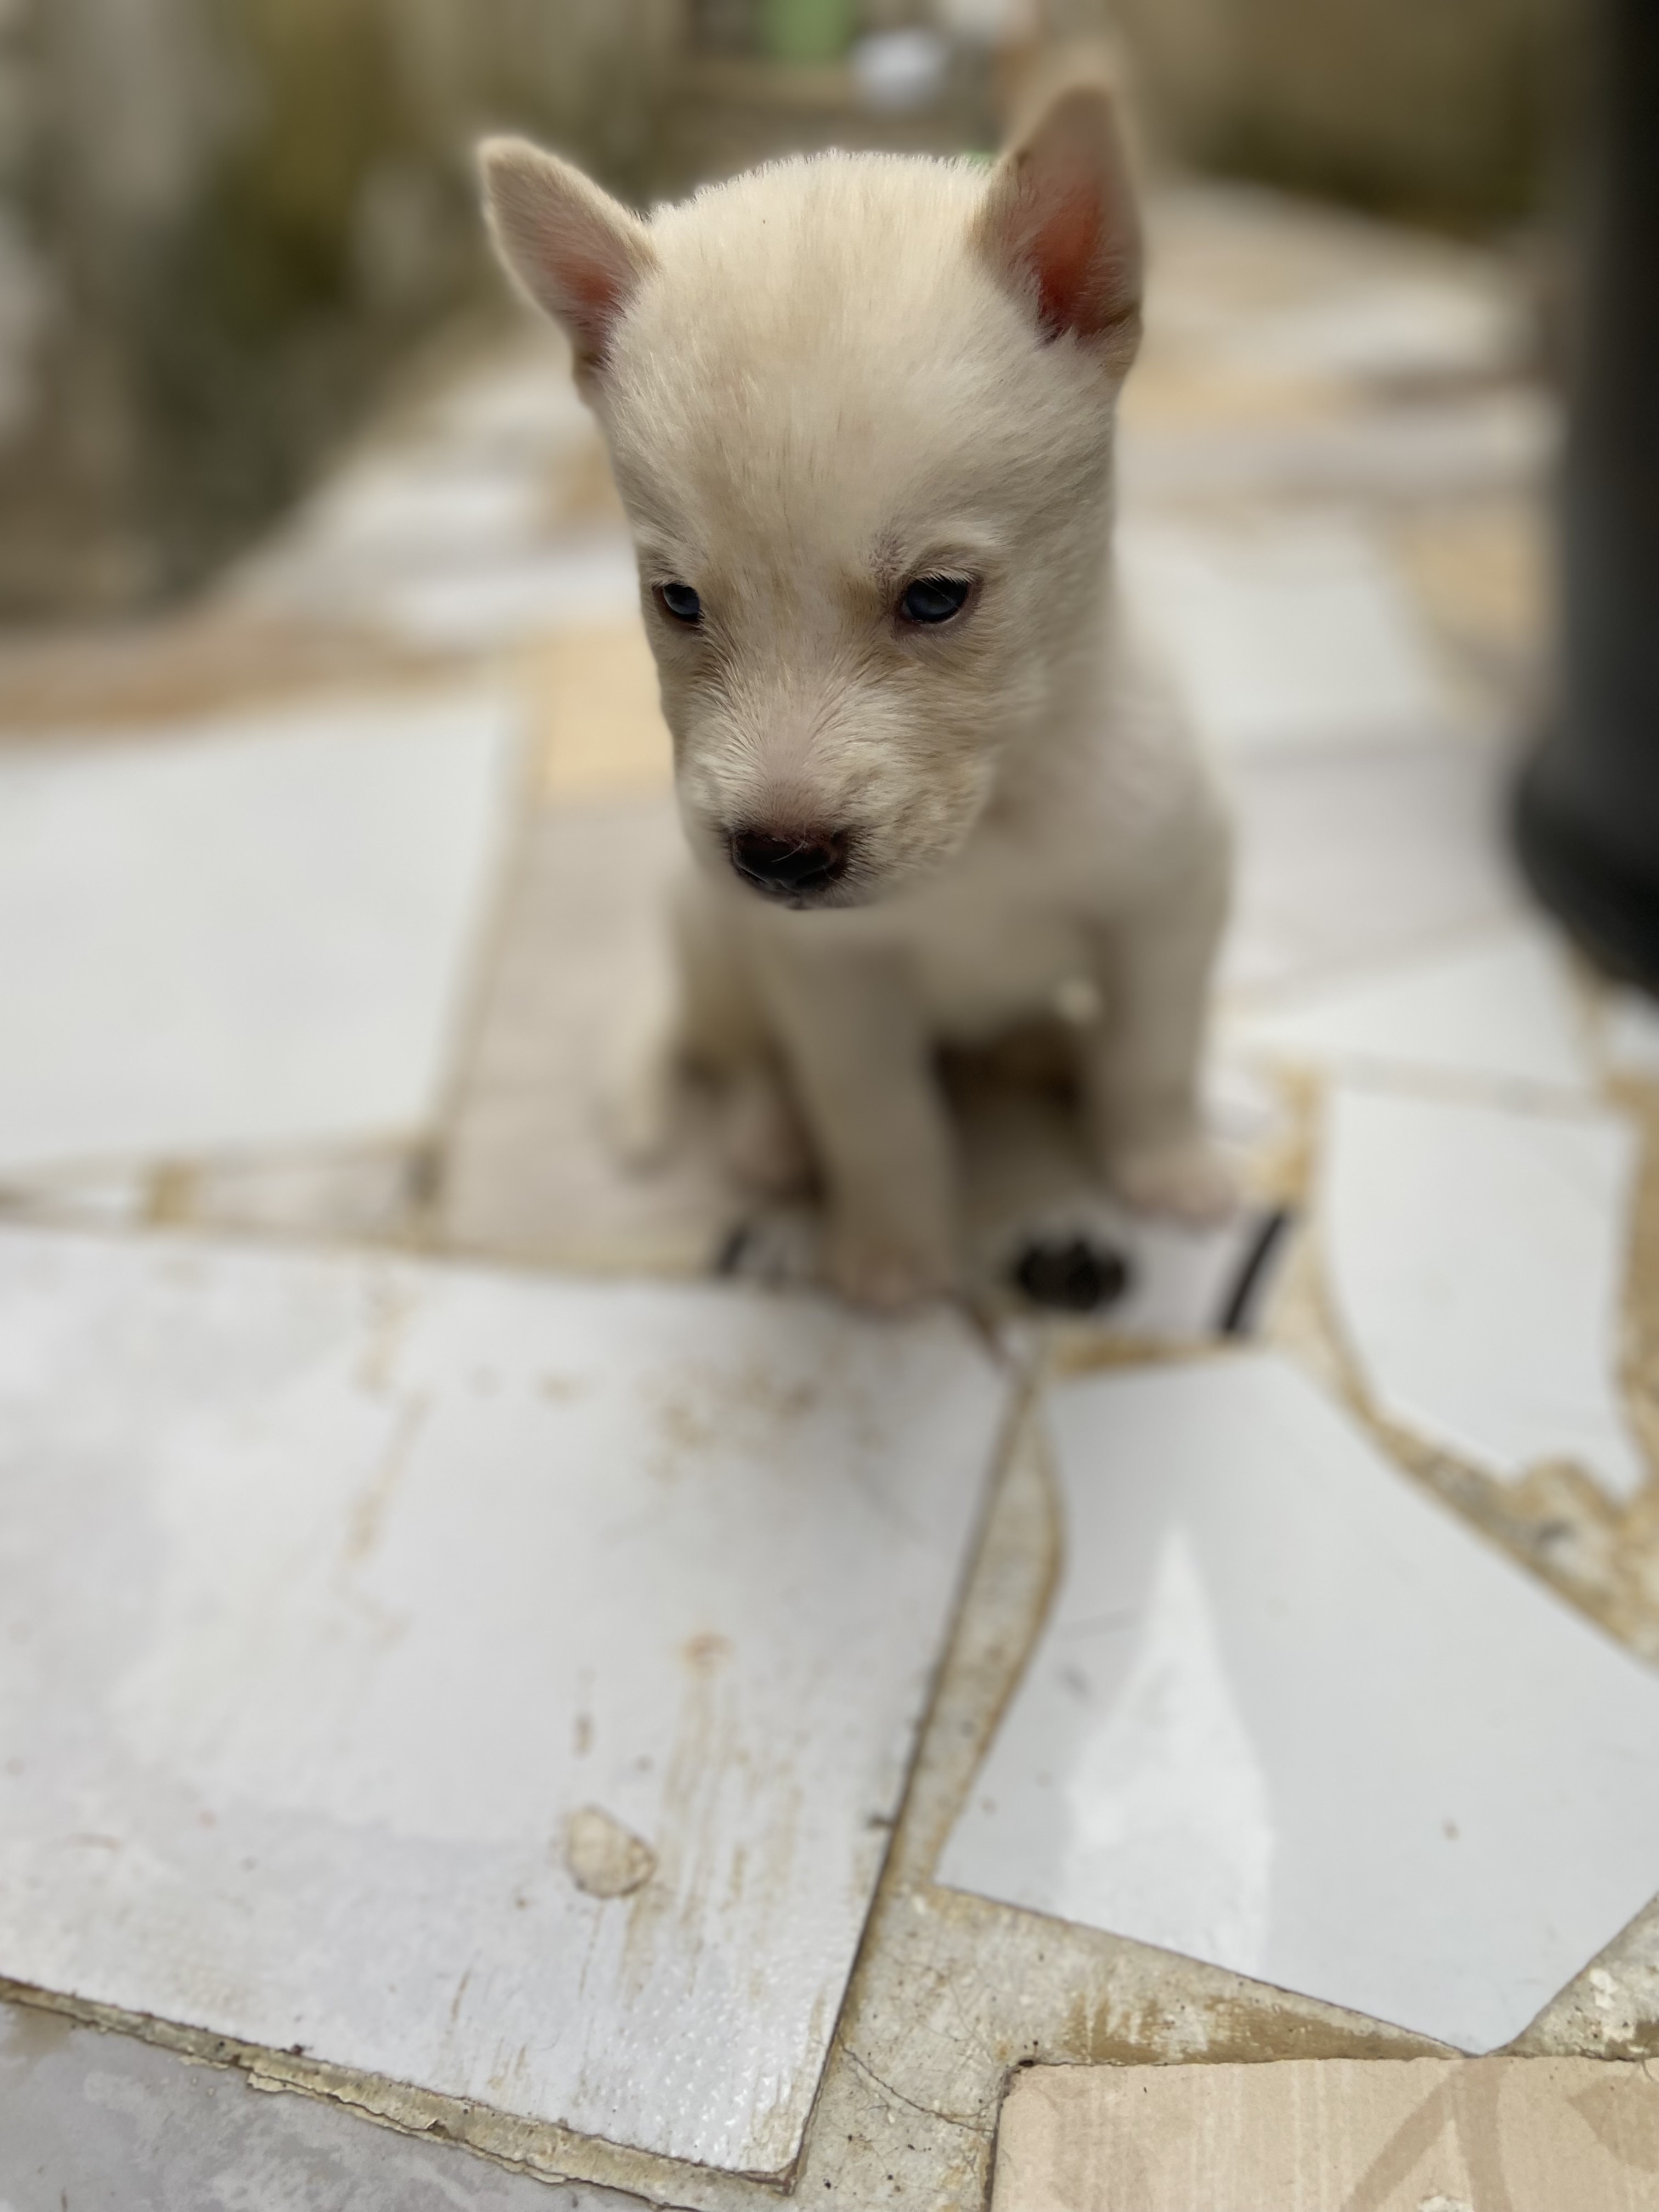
[797,866]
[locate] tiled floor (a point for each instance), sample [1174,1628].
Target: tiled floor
[1430,2135]
[252,933]
[1288,1716]
[471,1680]
[1286,633]
[1331,480]
[1476,1259]
[1494,1008]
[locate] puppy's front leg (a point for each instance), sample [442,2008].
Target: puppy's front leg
[1144,1062]
[857,1049]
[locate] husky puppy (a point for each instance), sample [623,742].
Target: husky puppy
[860,410]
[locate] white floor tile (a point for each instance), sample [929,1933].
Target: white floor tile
[1258,283]
[408,510]
[256,932]
[1498,1008]
[1466,445]
[1285,634]
[1352,858]
[589,578]
[1412,329]
[1476,1261]
[502,1684]
[520,408]
[1289,1715]
[1632,1033]
[443,529]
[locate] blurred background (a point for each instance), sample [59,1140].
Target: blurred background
[224,224]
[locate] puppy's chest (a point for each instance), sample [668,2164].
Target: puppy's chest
[1018,926]
[1001,943]
[970,990]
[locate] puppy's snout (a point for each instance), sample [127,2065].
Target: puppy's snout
[790,865]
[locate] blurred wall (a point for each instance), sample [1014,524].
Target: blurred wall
[221,220]
[1442,109]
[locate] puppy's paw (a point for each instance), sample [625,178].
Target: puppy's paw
[1187,1179]
[886,1272]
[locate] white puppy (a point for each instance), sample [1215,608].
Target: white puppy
[860,410]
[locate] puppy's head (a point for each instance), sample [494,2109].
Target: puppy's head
[859,409]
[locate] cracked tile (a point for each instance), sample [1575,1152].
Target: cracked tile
[1287,1716]
[1476,1259]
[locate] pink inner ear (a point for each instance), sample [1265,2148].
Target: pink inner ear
[1060,223]
[1069,258]
[594,293]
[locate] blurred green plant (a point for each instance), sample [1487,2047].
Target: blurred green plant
[805,32]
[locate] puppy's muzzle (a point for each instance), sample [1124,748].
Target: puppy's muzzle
[798,868]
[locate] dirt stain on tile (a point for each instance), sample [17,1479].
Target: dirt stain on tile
[35,2035]
[604,1858]
[392,1303]
[172,1196]
[704,1410]
[369,1513]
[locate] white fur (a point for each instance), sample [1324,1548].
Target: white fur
[818,382]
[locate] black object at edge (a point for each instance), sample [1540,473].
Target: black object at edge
[1235,1316]
[1613,913]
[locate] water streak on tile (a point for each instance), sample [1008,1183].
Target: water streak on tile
[1387,1769]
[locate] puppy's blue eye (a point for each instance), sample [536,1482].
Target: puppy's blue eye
[935,598]
[680,601]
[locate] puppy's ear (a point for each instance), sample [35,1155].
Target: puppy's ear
[575,252]
[1058,224]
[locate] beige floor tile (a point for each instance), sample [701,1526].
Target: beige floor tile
[594,695]
[1425,2134]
